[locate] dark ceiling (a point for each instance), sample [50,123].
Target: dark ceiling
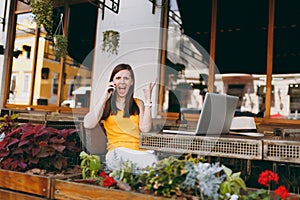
[241,38]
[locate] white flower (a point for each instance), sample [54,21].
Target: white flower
[234,197]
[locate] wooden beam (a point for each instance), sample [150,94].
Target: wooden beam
[270,58]
[211,75]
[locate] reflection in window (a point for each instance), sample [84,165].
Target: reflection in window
[22,62]
[26,84]
[12,90]
[286,96]
[240,55]
[186,71]
[241,52]
[286,59]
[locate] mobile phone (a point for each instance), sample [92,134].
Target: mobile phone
[111,89]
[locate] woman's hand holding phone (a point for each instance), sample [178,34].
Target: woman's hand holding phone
[110,88]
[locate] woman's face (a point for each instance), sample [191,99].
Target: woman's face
[123,82]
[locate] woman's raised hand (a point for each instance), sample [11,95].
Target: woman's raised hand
[148,92]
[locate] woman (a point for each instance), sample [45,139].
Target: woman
[124,118]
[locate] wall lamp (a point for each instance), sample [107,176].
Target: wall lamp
[17,53]
[14,54]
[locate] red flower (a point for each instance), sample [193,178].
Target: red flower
[282,192]
[102,174]
[266,177]
[108,181]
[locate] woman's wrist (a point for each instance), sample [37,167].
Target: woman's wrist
[148,104]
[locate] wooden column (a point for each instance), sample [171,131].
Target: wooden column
[211,77]
[270,58]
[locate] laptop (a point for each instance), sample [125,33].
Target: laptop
[216,116]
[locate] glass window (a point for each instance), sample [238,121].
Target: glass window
[240,55]
[241,52]
[187,64]
[286,60]
[26,84]
[22,64]
[57,82]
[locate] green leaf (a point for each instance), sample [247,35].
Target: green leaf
[225,187]
[94,164]
[235,175]
[261,191]
[240,182]
[82,155]
[227,171]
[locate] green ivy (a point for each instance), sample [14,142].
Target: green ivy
[43,13]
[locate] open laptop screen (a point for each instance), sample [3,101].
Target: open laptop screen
[215,117]
[216,114]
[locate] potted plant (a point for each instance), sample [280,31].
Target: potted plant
[60,46]
[110,41]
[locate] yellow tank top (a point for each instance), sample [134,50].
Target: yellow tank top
[122,132]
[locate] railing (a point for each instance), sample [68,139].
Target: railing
[202,145]
[286,149]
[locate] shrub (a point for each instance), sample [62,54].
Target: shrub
[165,177]
[7,123]
[36,146]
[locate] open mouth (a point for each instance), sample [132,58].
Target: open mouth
[122,89]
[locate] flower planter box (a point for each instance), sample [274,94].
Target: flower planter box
[11,195]
[27,183]
[27,186]
[64,189]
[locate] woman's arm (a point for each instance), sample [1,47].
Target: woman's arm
[145,117]
[145,109]
[92,118]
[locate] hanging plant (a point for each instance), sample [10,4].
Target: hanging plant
[60,46]
[60,40]
[43,13]
[110,41]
